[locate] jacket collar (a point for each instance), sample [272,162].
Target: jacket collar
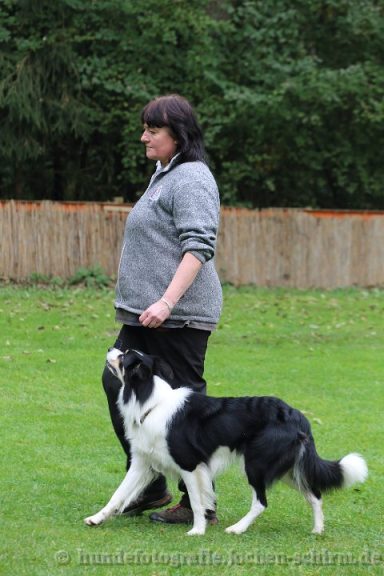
[161,169]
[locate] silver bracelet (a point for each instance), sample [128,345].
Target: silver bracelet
[168,304]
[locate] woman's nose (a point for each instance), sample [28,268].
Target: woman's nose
[144,136]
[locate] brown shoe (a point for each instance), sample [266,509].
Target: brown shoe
[148,503]
[211,517]
[180,514]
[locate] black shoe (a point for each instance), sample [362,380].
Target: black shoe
[147,503]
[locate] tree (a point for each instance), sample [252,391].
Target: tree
[75,77]
[44,114]
[302,116]
[289,93]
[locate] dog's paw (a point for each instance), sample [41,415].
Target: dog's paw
[94,520]
[318,531]
[235,529]
[196,532]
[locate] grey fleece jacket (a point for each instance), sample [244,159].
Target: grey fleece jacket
[178,213]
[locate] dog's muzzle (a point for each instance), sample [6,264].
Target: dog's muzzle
[112,360]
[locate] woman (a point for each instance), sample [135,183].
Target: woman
[168,295]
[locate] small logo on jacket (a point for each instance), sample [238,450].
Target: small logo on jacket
[154,194]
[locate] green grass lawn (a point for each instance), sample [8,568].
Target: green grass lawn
[320,351]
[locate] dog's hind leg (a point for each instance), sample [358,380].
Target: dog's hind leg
[136,480]
[255,475]
[192,482]
[256,509]
[317,509]
[314,500]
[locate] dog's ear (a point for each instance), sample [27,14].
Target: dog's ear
[130,359]
[141,371]
[138,366]
[163,369]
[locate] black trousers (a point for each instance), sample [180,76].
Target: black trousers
[184,349]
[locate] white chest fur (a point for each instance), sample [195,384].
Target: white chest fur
[146,425]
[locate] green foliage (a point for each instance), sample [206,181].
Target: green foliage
[304,110]
[94,277]
[38,279]
[91,277]
[290,96]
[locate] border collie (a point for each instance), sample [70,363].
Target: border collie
[195,437]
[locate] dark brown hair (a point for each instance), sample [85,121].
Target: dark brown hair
[176,113]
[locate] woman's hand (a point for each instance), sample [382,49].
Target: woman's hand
[156,314]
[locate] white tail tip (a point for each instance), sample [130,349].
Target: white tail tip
[354,469]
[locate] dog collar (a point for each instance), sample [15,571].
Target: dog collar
[145,415]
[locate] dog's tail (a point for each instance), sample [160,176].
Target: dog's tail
[317,475]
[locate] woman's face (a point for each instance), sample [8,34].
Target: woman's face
[159,144]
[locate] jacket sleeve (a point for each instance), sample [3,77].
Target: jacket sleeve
[196,212]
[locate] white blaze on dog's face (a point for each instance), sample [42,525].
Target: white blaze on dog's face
[115,364]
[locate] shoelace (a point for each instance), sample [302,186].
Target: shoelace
[176,507]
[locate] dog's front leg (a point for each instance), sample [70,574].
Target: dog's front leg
[192,483]
[136,480]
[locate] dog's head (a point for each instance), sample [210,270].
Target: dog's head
[136,370]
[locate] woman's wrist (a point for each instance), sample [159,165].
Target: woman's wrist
[168,303]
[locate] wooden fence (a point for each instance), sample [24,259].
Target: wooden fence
[274,247]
